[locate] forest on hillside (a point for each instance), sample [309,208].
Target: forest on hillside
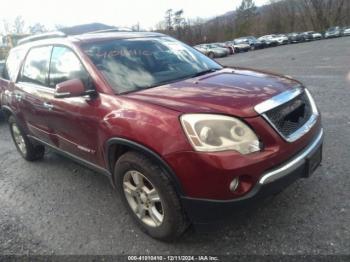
[278,16]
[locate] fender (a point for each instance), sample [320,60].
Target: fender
[147,152]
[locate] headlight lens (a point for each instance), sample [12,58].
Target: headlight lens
[213,133]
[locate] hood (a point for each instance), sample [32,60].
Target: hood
[229,91]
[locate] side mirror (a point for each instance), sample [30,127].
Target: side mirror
[70,88]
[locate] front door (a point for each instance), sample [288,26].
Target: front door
[74,121]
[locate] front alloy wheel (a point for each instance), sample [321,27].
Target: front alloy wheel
[150,197]
[143,198]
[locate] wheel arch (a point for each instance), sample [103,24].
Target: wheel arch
[7,112]
[116,147]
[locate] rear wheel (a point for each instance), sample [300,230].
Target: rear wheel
[150,197]
[25,147]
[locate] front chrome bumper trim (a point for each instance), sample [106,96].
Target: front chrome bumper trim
[293,164]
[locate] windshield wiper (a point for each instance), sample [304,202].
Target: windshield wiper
[205,72]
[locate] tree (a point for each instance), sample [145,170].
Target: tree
[245,16]
[178,18]
[18,25]
[37,28]
[6,26]
[169,19]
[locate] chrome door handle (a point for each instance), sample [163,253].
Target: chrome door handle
[18,97]
[48,105]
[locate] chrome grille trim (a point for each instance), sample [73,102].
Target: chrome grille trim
[278,100]
[283,98]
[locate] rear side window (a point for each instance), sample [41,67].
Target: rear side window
[36,66]
[13,64]
[65,65]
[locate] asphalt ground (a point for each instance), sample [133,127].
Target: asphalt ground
[57,207]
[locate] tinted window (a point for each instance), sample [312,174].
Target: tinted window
[65,65]
[135,64]
[36,66]
[13,64]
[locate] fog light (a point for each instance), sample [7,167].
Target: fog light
[234,184]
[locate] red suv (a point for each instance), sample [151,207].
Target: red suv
[183,139]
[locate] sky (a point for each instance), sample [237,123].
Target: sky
[113,12]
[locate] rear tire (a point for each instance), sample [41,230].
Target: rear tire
[158,214]
[28,150]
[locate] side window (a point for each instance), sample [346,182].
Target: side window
[65,65]
[12,65]
[36,66]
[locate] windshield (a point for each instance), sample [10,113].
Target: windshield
[135,64]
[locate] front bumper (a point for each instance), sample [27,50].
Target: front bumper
[271,182]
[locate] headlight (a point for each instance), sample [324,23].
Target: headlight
[213,133]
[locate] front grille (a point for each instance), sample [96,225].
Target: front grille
[291,116]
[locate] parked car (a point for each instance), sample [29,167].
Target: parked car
[182,139]
[295,37]
[281,39]
[275,39]
[229,48]
[346,31]
[316,35]
[252,42]
[240,46]
[333,32]
[308,36]
[202,49]
[268,40]
[212,50]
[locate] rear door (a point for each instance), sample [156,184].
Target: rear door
[33,93]
[8,77]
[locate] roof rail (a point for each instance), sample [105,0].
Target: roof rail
[41,37]
[118,29]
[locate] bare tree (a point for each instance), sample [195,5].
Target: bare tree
[179,20]
[18,25]
[37,28]
[169,19]
[279,16]
[7,26]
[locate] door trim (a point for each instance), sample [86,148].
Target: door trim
[77,159]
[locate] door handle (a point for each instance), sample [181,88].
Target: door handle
[48,106]
[18,97]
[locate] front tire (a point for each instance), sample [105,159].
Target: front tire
[25,147]
[150,197]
